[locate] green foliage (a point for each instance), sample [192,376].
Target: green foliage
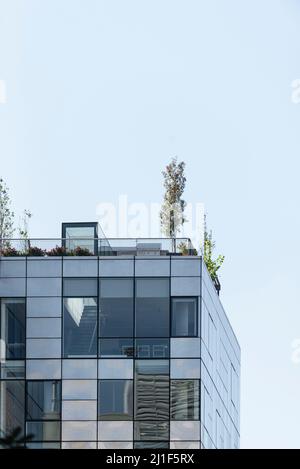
[213,265]
[172,210]
[6,214]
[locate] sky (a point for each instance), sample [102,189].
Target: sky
[97,96]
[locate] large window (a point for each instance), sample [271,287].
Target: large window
[12,329]
[80,327]
[116,308]
[185,400]
[152,307]
[184,317]
[43,400]
[152,386]
[115,400]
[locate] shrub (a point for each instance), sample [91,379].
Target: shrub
[80,252]
[9,252]
[35,251]
[57,251]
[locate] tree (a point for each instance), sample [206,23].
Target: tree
[15,440]
[213,265]
[6,214]
[24,228]
[172,210]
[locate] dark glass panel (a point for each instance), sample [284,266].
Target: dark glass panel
[115,400]
[12,405]
[152,308]
[13,329]
[80,327]
[43,400]
[117,348]
[184,317]
[116,308]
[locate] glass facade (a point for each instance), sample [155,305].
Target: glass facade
[93,355]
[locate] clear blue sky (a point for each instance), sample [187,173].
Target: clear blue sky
[100,94]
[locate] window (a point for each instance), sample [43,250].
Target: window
[151,445]
[152,348]
[43,431]
[12,329]
[151,431]
[80,287]
[152,308]
[12,404]
[115,400]
[116,308]
[152,386]
[185,400]
[80,327]
[119,348]
[184,317]
[43,400]
[81,235]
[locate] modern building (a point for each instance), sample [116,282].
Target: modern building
[115,344]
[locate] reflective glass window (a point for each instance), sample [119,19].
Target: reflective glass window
[43,400]
[185,400]
[152,348]
[80,327]
[12,329]
[12,405]
[152,307]
[148,431]
[152,390]
[116,348]
[184,317]
[116,308]
[115,401]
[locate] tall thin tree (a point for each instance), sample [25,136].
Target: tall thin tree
[6,215]
[172,211]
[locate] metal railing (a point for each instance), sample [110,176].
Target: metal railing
[86,246]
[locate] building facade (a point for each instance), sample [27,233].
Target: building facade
[127,350]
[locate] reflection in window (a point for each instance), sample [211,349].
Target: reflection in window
[151,431]
[184,317]
[12,369]
[151,445]
[80,327]
[116,308]
[43,431]
[152,348]
[152,390]
[116,348]
[12,404]
[152,307]
[43,400]
[185,400]
[115,400]
[12,329]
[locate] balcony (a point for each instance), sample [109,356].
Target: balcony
[90,246]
